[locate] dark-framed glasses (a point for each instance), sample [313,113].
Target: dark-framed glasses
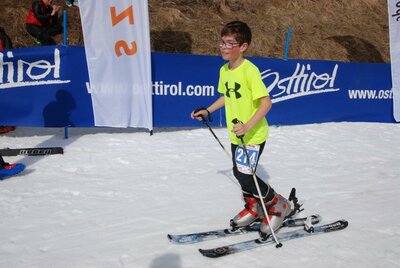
[228,45]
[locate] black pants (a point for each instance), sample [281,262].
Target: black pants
[44,34]
[247,182]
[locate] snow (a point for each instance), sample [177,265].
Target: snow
[115,194]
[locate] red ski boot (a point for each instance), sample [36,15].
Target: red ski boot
[278,209]
[248,215]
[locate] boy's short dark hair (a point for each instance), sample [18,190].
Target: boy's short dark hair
[240,29]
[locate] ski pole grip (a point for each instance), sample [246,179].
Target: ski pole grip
[208,113]
[237,121]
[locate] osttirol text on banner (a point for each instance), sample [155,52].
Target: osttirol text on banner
[394,29]
[118,53]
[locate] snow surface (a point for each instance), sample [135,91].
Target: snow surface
[114,195]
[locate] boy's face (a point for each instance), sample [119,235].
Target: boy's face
[230,49]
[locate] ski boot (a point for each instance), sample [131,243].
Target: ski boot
[10,170]
[248,215]
[278,209]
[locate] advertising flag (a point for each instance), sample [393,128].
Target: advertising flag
[118,54]
[394,29]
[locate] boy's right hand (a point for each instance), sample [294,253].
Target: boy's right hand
[200,114]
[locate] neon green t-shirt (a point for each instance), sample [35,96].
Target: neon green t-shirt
[242,89]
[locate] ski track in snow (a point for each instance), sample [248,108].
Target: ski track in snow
[115,194]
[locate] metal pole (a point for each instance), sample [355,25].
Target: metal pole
[215,136]
[253,173]
[65,27]
[285,56]
[278,244]
[65,44]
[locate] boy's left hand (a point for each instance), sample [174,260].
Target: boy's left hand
[239,129]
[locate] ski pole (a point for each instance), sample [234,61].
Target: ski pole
[215,136]
[278,244]
[204,121]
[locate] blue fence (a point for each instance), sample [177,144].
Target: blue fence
[48,86]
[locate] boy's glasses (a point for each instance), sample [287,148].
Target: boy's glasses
[228,45]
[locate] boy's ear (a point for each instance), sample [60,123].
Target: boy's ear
[244,47]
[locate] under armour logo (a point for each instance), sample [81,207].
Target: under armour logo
[236,89]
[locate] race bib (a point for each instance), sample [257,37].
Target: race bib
[241,159]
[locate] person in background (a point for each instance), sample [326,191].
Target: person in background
[44,21]
[5,40]
[5,43]
[247,102]
[6,129]
[7,170]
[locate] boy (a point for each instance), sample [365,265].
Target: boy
[246,99]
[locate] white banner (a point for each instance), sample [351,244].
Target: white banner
[394,29]
[118,53]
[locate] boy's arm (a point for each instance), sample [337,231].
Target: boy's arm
[265,106]
[219,103]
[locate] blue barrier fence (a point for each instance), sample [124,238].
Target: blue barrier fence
[48,86]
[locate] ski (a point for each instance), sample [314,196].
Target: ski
[209,235]
[255,243]
[31,151]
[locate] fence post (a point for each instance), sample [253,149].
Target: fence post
[289,32]
[65,27]
[65,43]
